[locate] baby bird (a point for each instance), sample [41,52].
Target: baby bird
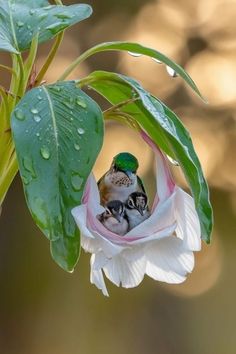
[114,217]
[121,179]
[137,209]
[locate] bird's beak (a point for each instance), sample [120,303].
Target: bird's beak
[118,217]
[129,174]
[140,210]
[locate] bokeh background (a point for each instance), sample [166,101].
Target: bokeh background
[45,310]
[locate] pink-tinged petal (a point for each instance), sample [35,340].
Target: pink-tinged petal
[91,196]
[96,277]
[168,261]
[80,215]
[188,225]
[164,181]
[126,273]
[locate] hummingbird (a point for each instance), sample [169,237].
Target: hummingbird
[121,179]
[137,209]
[114,217]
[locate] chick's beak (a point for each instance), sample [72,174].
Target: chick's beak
[118,217]
[139,208]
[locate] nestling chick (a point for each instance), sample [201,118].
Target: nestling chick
[137,209]
[121,179]
[114,217]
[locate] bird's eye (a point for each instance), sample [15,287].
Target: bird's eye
[131,203]
[108,211]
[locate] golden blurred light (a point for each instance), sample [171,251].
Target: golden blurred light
[159,27]
[120,138]
[206,273]
[68,51]
[215,74]
[209,141]
[218,30]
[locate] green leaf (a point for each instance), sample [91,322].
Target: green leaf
[135,48]
[58,133]
[21,21]
[166,130]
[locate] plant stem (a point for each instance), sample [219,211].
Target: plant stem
[8,177]
[49,59]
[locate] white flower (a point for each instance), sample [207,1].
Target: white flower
[161,247]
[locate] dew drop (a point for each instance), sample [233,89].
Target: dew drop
[63,16]
[157,61]
[28,27]
[40,98]
[25,180]
[171,71]
[34,111]
[76,182]
[45,153]
[77,147]
[28,165]
[43,16]
[135,54]
[38,135]
[81,103]
[174,162]
[57,88]
[37,119]
[31,12]
[20,24]
[19,115]
[80,131]
[69,104]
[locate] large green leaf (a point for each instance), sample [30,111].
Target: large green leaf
[20,21]
[58,133]
[163,126]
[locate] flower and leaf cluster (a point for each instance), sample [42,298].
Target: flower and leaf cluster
[53,133]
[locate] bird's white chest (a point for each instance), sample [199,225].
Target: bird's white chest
[113,225]
[135,218]
[118,190]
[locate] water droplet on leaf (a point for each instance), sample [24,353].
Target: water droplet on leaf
[28,165]
[40,98]
[25,180]
[80,131]
[34,111]
[174,162]
[37,119]
[45,153]
[76,182]
[171,71]
[63,16]
[31,12]
[20,24]
[81,103]
[135,54]
[157,61]
[77,147]
[19,115]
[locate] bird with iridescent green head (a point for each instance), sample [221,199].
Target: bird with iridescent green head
[121,179]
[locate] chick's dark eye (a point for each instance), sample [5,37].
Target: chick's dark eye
[130,203]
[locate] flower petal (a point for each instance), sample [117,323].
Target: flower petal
[91,196]
[168,261]
[96,277]
[188,225]
[127,273]
[164,181]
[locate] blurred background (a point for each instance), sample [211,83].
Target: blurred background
[45,310]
